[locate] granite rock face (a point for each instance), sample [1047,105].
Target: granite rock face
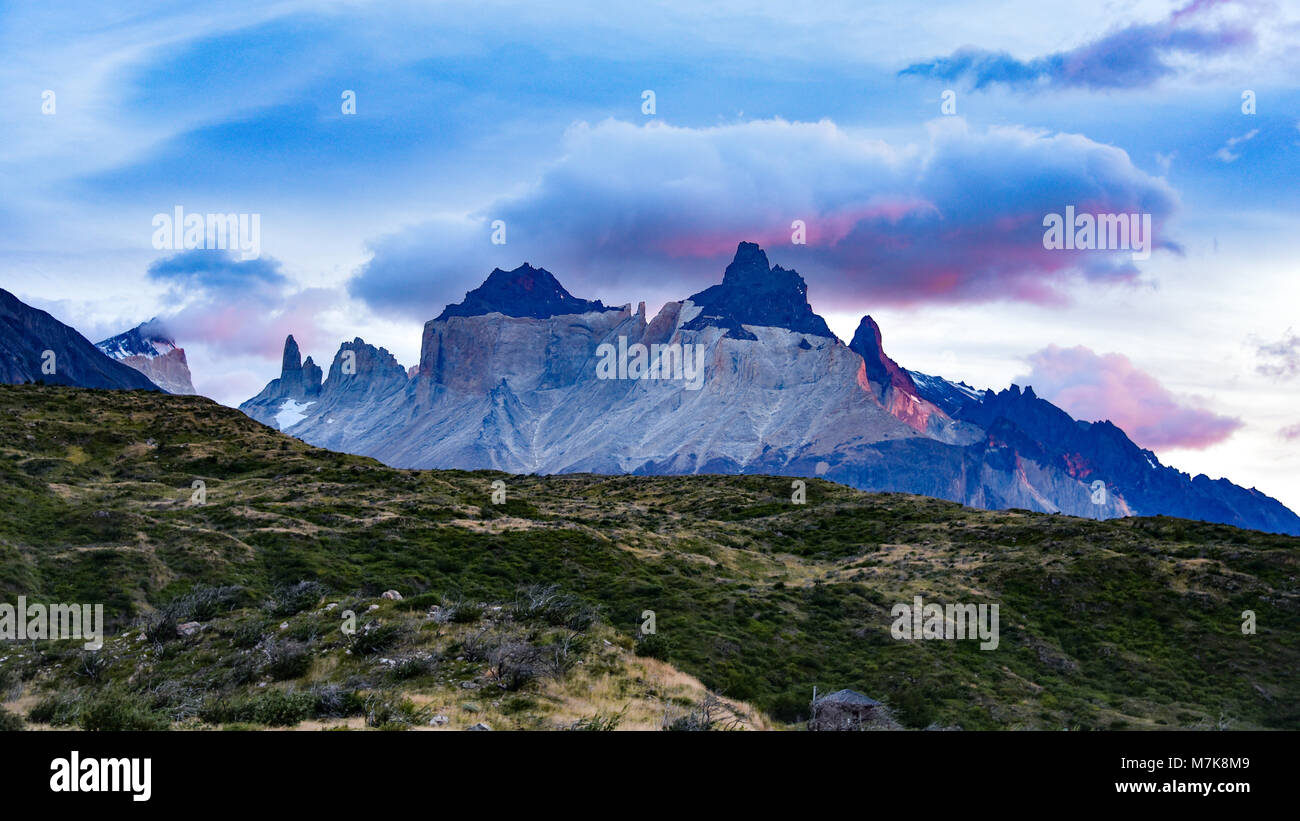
[741,378]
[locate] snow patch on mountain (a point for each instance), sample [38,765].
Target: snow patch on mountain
[291,413]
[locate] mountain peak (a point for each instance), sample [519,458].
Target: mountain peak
[749,262]
[151,338]
[524,292]
[882,372]
[151,349]
[753,292]
[298,378]
[292,358]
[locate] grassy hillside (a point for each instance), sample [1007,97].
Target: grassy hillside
[1123,624]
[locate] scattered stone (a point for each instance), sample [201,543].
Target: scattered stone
[468,685]
[372,608]
[438,721]
[480,726]
[391,595]
[284,625]
[331,606]
[189,628]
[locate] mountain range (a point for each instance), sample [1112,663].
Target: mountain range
[514,378]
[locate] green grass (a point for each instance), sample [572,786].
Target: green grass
[1132,623]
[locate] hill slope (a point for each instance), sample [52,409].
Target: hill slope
[1122,623]
[33,343]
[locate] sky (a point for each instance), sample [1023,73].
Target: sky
[921,153]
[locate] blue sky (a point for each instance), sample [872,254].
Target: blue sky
[765,113]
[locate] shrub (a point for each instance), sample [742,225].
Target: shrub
[159,626]
[709,714]
[247,635]
[226,710]
[206,603]
[285,659]
[600,722]
[59,710]
[563,652]
[283,708]
[514,663]
[243,670]
[91,665]
[11,684]
[414,667]
[333,701]
[460,611]
[546,603]
[390,712]
[652,645]
[10,722]
[375,637]
[295,598]
[273,708]
[116,711]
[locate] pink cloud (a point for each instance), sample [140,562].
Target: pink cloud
[1096,387]
[956,217]
[239,307]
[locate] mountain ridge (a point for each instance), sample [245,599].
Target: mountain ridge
[36,347]
[780,395]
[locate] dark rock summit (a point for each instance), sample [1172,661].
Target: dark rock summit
[754,293]
[524,292]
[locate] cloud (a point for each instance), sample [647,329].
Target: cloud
[1291,432]
[216,271]
[1135,56]
[237,307]
[1226,154]
[1280,359]
[957,217]
[416,271]
[1094,387]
